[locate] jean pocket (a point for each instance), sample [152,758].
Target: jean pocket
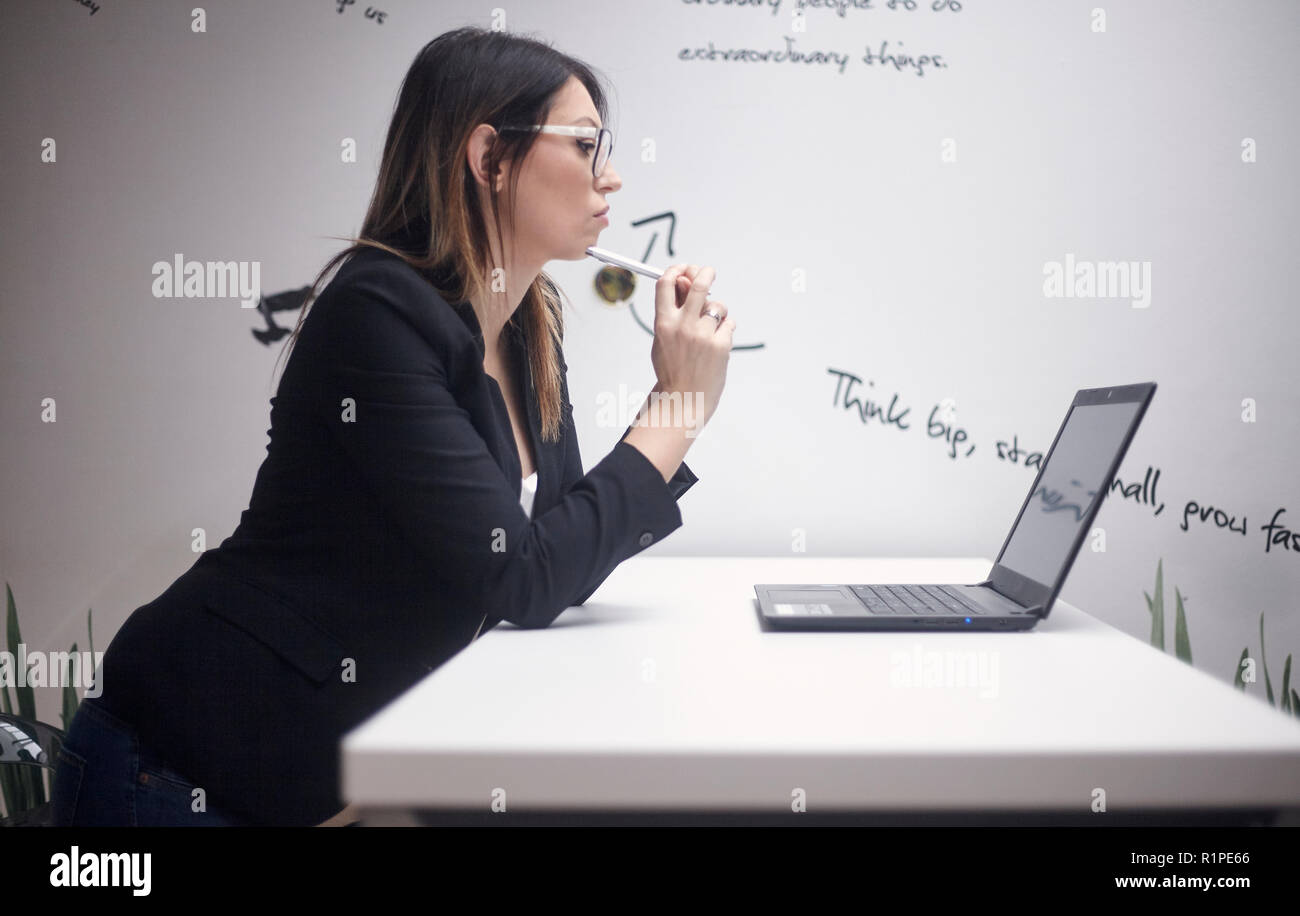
[166,779]
[65,790]
[164,798]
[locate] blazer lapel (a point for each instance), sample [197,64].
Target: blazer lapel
[542,452]
[495,427]
[545,455]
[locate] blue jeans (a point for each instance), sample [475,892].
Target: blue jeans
[104,777]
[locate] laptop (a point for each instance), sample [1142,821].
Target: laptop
[1034,560]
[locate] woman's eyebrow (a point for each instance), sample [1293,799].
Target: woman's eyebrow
[590,121]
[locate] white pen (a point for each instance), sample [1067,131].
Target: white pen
[600,254]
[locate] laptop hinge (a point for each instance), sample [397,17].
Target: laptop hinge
[1036,610]
[988,583]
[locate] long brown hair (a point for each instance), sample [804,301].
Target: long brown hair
[426,206]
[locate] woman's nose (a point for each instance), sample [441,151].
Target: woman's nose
[610,178]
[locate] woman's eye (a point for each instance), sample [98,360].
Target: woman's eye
[587,147]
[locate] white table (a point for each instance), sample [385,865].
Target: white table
[665,694]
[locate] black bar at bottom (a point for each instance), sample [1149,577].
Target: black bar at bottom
[1038,818]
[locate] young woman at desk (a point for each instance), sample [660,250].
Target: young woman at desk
[385,530]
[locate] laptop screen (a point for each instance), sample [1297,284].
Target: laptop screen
[1042,544]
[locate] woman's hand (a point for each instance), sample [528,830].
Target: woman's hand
[690,350]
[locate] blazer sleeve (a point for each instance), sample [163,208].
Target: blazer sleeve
[387,402]
[679,483]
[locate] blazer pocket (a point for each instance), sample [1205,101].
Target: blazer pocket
[279,626]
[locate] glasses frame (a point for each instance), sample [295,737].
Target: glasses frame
[591,133]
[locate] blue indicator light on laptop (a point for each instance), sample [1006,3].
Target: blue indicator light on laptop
[968,620]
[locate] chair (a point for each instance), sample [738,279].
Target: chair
[26,743]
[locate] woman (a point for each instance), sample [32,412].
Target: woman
[394,517]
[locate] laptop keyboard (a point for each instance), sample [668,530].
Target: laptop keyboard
[925,600]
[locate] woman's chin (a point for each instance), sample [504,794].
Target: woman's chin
[580,246]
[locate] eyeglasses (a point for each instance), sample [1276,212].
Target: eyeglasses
[603,136]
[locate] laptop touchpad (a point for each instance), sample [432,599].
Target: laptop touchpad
[812,602]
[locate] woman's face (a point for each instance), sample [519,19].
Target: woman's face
[558,197]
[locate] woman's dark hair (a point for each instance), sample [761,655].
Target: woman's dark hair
[426,205]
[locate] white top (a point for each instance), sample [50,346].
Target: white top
[736,717]
[527,492]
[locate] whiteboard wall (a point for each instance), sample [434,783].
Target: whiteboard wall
[893,224]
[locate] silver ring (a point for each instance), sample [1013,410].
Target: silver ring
[713,314]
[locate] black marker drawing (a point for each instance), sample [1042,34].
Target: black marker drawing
[616,284]
[290,300]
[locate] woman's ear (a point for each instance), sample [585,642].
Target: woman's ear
[480,145]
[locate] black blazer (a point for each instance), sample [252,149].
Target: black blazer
[384,526]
